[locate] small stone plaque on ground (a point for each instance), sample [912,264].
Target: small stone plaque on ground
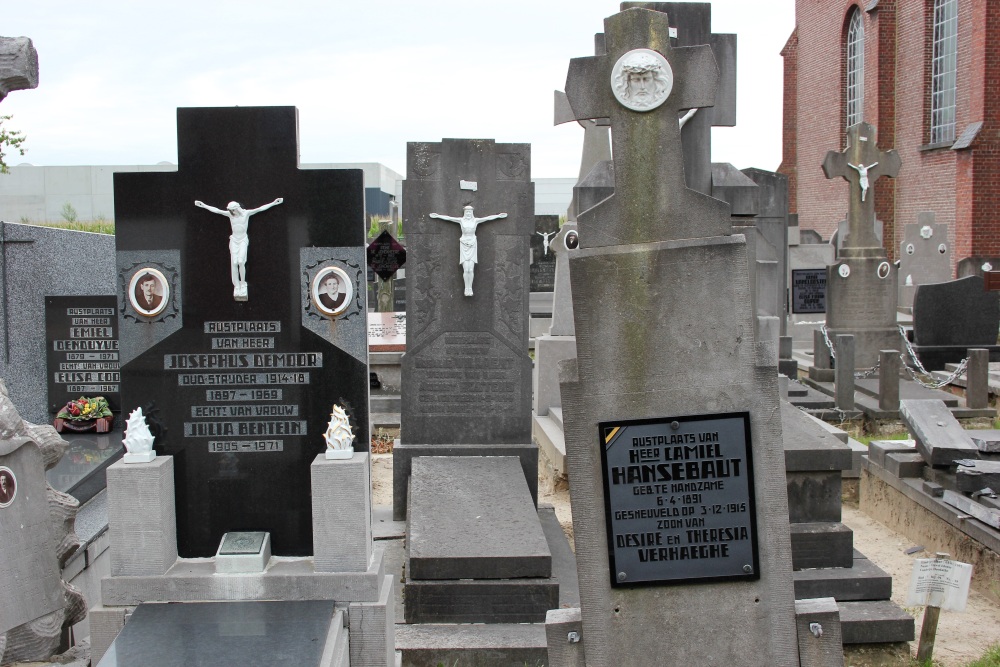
[808,291]
[234,544]
[679,497]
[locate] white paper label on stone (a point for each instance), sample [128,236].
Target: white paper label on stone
[844,270]
[642,79]
[937,582]
[679,499]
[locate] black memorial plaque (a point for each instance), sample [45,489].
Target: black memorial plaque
[386,255]
[243,389]
[679,497]
[808,291]
[81,343]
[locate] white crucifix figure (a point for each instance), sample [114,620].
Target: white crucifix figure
[545,240]
[239,240]
[862,176]
[468,253]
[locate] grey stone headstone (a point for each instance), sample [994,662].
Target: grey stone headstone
[29,572]
[466,376]
[40,262]
[642,300]
[924,256]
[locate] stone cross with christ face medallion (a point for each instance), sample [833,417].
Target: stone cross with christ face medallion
[861,164]
[641,84]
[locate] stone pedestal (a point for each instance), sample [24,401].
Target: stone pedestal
[341,513]
[141,517]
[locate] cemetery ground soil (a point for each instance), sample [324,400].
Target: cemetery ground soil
[961,638]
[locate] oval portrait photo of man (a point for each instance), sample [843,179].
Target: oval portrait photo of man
[148,292]
[332,291]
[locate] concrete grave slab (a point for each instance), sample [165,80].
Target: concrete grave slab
[473,518]
[940,438]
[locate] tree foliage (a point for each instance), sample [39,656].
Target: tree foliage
[10,140]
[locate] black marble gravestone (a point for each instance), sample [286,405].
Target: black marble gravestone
[243,388]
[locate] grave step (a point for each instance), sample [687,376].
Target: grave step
[821,544]
[875,622]
[498,644]
[556,415]
[863,581]
[384,402]
[480,600]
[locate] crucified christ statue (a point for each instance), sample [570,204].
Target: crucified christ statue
[863,176]
[239,218]
[468,254]
[545,240]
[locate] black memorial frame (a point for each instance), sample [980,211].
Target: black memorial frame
[754,574]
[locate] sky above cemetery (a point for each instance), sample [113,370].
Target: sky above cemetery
[366,77]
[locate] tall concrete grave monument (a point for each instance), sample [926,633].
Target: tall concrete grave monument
[924,256]
[258,324]
[248,357]
[674,450]
[466,385]
[861,286]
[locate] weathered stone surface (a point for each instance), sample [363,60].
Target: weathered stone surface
[877,449]
[640,278]
[814,496]
[341,513]
[480,600]
[29,571]
[924,256]
[808,446]
[141,517]
[863,581]
[979,476]
[466,376]
[473,518]
[403,455]
[286,579]
[231,632]
[940,438]
[902,464]
[817,621]
[18,65]
[432,645]
[821,544]
[563,634]
[988,441]
[372,626]
[874,623]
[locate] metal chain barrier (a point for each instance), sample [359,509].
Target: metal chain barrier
[919,367]
[829,345]
[858,375]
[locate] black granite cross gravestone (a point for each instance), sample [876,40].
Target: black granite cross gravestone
[244,388]
[861,164]
[649,169]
